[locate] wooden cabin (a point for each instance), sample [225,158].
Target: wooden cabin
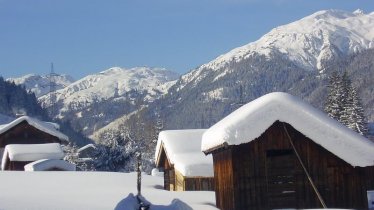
[185,167]
[27,130]
[279,152]
[16,156]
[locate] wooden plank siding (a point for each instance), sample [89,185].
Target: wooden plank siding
[199,183]
[175,181]
[224,181]
[263,174]
[168,169]
[179,181]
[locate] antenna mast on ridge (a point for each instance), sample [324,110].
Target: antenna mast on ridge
[52,92]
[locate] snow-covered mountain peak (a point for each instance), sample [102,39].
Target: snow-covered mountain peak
[331,14]
[305,41]
[40,85]
[358,12]
[113,70]
[115,82]
[161,73]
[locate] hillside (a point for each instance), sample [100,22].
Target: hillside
[96,100]
[40,85]
[296,58]
[309,42]
[210,92]
[15,99]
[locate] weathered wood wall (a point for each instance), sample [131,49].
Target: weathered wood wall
[23,133]
[179,182]
[223,179]
[266,174]
[16,165]
[171,179]
[168,170]
[199,183]
[183,183]
[175,181]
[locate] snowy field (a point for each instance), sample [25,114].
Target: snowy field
[91,190]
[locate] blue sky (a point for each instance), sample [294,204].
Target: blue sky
[82,37]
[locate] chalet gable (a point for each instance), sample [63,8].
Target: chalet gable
[251,120]
[182,151]
[50,128]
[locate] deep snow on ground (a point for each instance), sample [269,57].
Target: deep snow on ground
[89,190]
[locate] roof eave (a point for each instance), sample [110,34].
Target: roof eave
[224,145]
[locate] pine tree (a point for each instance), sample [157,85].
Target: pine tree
[346,102]
[115,151]
[72,156]
[357,120]
[344,105]
[333,105]
[159,125]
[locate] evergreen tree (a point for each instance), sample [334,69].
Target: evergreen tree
[159,125]
[334,102]
[72,156]
[356,120]
[115,151]
[344,104]
[14,99]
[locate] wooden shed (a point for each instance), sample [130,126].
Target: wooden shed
[280,152]
[185,167]
[27,130]
[16,156]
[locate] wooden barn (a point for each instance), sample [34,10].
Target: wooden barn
[27,130]
[186,168]
[279,152]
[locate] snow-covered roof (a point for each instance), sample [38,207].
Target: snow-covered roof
[31,152]
[182,149]
[48,164]
[87,146]
[251,120]
[47,127]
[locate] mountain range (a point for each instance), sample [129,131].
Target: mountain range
[295,58]
[96,100]
[40,84]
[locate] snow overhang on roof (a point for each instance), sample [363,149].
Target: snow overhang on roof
[87,146]
[48,164]
[47,127]
[182,148]
[251,120]
[31,152]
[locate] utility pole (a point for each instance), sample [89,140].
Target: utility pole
[139,174]
[143,205]
[52,92]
